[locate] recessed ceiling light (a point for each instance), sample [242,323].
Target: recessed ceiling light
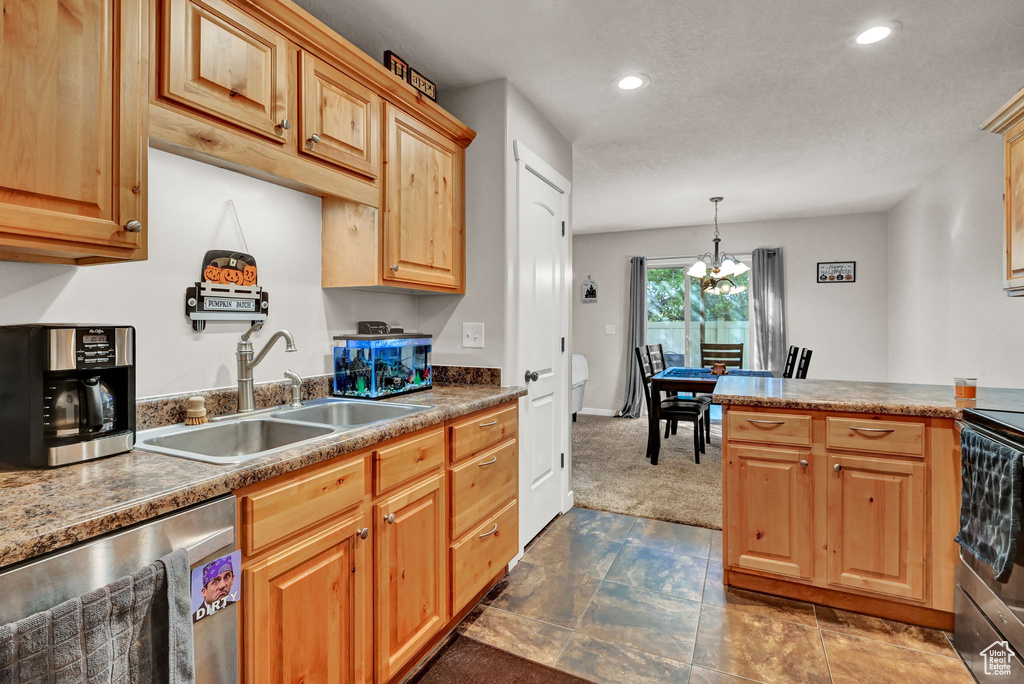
[876,33]
[633,81]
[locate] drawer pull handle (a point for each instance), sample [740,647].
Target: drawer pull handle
[879,430]
[804,464]
[390,519]
[493,422]
[766,422]
[838,467]
[364,533]
[493,460]
[488,534]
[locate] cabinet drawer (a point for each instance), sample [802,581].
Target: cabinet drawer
[483,430]
[769,428]
[407,459]
[483,483]
[887,437]
[280,511]
[481,555]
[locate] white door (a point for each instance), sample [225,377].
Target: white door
[542,342]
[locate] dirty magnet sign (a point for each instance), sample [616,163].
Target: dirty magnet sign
[214,586]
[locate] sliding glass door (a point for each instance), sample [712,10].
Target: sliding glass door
[680,316]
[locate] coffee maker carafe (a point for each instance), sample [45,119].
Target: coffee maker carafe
[67,393]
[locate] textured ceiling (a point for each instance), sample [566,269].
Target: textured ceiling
[765,103]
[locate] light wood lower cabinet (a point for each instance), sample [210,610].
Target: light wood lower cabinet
[308,607]
[876,540]
[412,586]
[771,520]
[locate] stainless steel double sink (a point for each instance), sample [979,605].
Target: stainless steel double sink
[241,437]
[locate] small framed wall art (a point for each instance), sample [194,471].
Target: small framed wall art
[398,66]
[589,291]
[423,84]
[837,271]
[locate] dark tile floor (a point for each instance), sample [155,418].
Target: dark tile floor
[618,599]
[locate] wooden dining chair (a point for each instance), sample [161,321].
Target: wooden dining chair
[729,354]
[672,410]
[660,363]
[791,361]
[805,362]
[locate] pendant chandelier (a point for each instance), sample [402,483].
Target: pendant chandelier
[717,270]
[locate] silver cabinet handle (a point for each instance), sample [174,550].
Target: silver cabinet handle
[804,464]
[879,430]
[395,268]
[488,534]
[766,422]
[493,422]
[390,519]
[838,467]
[133,226]
[493,460]
[285,124]
[364,533]
[314,138]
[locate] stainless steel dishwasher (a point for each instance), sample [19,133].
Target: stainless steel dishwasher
[206,530]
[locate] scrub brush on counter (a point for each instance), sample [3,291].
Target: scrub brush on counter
[196,414]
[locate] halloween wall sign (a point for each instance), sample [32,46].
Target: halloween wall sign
[227,290]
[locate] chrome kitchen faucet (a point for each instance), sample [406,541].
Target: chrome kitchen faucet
[246,362]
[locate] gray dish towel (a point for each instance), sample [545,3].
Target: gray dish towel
[137,630]
[990,501]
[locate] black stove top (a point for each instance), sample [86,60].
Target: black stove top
[1010,424]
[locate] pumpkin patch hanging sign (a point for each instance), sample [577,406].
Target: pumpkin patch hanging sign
[228,290]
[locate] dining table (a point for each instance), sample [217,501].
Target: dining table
[675,379]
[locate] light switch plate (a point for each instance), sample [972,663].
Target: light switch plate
[473,335]
[609,329]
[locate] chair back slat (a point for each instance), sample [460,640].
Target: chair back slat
[729,354]
[657,354]
[805,362]
[791,361]
[643,360]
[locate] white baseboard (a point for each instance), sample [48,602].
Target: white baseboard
[598,412]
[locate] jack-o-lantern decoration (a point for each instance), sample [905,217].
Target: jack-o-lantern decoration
[249,275]
[211,273]
[230,276]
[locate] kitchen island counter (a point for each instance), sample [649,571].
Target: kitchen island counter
[887,398]
[47,509]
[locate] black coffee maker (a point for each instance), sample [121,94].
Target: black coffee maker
[67,393]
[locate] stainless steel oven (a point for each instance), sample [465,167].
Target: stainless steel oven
[989,613]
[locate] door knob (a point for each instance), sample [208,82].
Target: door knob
[314,138]
[804,464]
[390,519]
[395,268]
[285,124]
[838,467]
[133,226]
[364,533]
[532,376]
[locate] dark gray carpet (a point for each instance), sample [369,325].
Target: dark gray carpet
[465,661]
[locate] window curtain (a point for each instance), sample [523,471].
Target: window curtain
[633,403]
[768,300]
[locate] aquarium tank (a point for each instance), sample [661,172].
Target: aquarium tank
[373,366]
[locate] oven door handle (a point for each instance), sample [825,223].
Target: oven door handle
[203,548]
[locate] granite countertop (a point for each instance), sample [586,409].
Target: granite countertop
[898,399]
[46,509]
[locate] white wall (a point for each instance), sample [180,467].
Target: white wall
[948,315]
[846,325]
[188,214]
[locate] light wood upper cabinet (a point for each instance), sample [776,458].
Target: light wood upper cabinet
[876,536]
[423,232]
[1009,122]
[411,572]
[308,610]
[220,61]
[73,129]
[339,118]
[770,495]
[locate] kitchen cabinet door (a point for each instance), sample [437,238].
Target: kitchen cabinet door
[73,126]
[339,118]
[307,610]
[770,500]
[423,234]
[411,577]
[876,533]
[217,59]
[1014,153]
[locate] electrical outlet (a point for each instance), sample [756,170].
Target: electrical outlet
[609,329]
[473,335]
